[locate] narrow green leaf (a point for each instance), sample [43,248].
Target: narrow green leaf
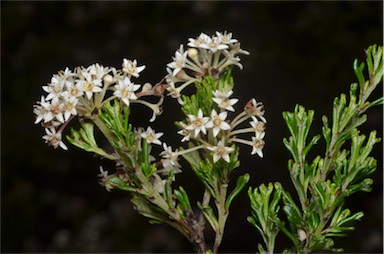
[240,184]
[210,216]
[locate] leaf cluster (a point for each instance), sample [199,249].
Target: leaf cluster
[323,184]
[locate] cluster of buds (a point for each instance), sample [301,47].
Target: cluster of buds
[84,91]
[206,55]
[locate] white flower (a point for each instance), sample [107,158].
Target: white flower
[258,144]
[200,42]
[97,72]
[179,60]
[174,92]
[55,88]
[41,111]
[197,123]
[131,68]
[222,99]
[257,125]
[255,108]
[73,90]
[54,139]
[67,73]
[170,161]
[186,133]
[52,110]
[151,137]
[226,37]
[88,85]
[217,122]
[125,90]
[69,107]
[221,151]
[215,44]
[167,153]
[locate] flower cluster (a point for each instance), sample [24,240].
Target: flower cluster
[223,131]
[210,126]
[83,91]
[205,56]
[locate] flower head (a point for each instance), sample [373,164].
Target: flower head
[54,139]
[125,90]
[221,151]
[217,122]
[185,132]
[131,68]
[179,60]
[55,88]
[258,144]
[258,126]
[222,99]
[151,137]
[197,123]
[255,108]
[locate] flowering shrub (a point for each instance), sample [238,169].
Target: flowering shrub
[211,131]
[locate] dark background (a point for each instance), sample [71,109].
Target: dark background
[301,52]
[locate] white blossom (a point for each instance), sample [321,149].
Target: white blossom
[258,144]
[200,42]
[97,73]
[258,126]
[69,107]
[73,90]
[52,110]
[41,111]
[55,88]
[131,68]
[88,85]
[125,90]
[169,161]
[197,123]
[221,151]
[186,133]
[226,38]
[223,101]
[215,44]
[255,108]
[217,122]
[179,60]
[54,139]
[151,137]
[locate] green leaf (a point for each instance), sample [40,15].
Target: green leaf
[358,69]
[85,139]
[167,194]
[118,183]
[183,198]
[209,216]
[148,210]
[240,184]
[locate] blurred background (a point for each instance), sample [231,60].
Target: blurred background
[301,52]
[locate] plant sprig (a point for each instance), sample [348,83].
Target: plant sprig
[324,184]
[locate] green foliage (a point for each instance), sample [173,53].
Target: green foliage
[116,118]
[203,96]
[265,211]
[323,184]
[84,138]
[240,184]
